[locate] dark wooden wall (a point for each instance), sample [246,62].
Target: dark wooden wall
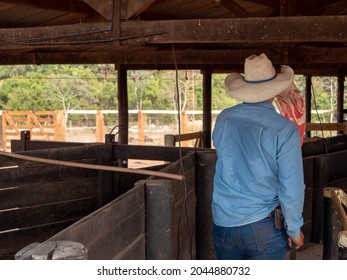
[153,220]
[37,200]
[115,231]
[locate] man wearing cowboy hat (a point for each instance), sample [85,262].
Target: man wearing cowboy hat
[259,168]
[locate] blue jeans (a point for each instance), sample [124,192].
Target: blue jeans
[260,240]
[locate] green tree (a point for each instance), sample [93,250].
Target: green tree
[21,94]
[220,98]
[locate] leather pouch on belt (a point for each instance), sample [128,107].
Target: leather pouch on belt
[278,219]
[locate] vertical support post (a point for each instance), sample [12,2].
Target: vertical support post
[59,125]
[206,108]
[340,99]
[184,127]
[100,131]
[24,137]
[123,117]
[141,128]
[320,180]
[308,96]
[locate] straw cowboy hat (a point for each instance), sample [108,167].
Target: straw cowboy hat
[260,81]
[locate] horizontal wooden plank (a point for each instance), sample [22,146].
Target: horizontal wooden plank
[94,32]
[32,195]
[116,219]
[41,145]
[77,153]
[135,251]
[327,126]
[34,173]
[237,30]
[111,241]
[161,153]
[17,218]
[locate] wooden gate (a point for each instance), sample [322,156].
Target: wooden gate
[43,125]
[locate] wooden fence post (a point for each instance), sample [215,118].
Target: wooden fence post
[59,125]
[184,126]
[100,131]
[141,128]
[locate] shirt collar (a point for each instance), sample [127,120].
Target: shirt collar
[264,104]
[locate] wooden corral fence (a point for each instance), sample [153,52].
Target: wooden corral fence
[339,127]
[39,200]
[43,125]
[321,158]
[198,138]
[102,209]
[50,125]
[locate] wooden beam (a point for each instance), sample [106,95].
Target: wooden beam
[239,30]
[209,31]
[55,36]
[142,58]
[327,126]
[103,7]
[319,55]
[123,106]
[136,7]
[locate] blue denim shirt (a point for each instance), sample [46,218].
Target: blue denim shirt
[259,166]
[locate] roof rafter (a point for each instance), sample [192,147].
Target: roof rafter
[136,7]
[61,5]
[235,8]
[103,7]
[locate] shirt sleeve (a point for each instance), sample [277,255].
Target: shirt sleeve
[292,187]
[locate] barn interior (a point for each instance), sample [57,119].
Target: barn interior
[214,36]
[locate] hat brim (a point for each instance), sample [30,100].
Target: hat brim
[237,88]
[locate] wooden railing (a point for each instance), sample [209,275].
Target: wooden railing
[341,127]
[198,137]
[43,125]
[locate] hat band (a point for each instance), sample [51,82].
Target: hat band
[259,81]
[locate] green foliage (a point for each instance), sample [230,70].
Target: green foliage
[65,87]
[220,99]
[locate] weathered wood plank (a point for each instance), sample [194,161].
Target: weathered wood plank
[112,241]
[327,126]
[41,145]
[17,218]
[238,30]
[31,195]
[109,221]
[104,8]
[149,152]
[34,173]
[235,30]
[70,153]
[135,7]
